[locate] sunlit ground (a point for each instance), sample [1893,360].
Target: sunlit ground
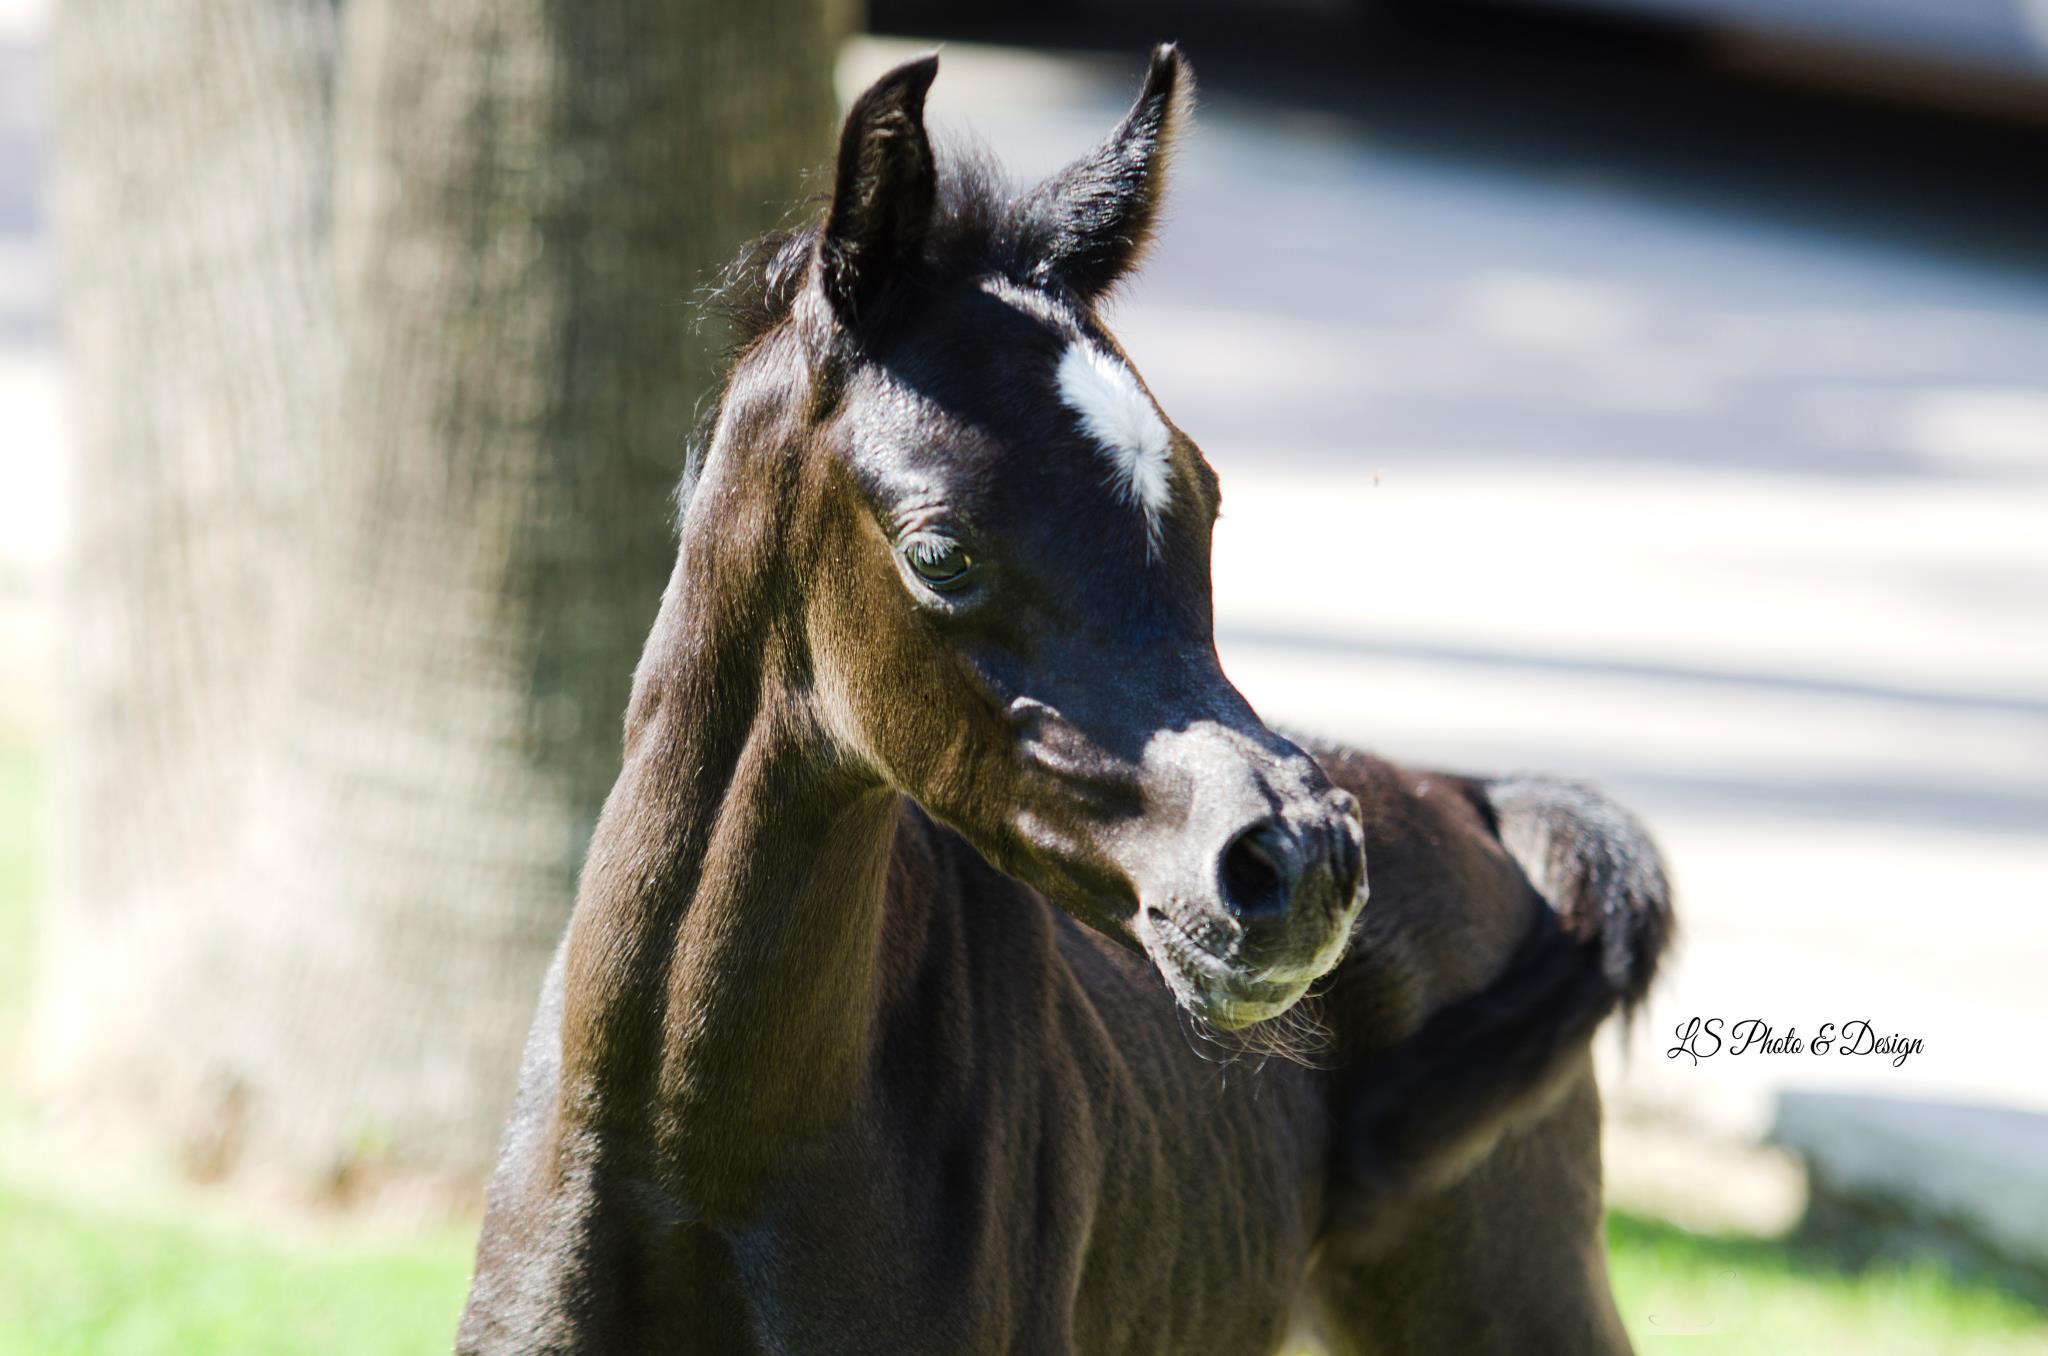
[77,1279]
[168,1272]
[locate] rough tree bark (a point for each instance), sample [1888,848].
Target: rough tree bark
[382,361]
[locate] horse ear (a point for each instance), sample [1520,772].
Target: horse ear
[882,195]
[1098,213]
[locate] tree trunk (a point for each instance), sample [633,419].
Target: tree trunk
[384,360]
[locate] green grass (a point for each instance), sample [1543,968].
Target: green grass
[147,1275]
[78,1281]
[1716,1296]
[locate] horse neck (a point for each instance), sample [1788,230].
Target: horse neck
[719,994]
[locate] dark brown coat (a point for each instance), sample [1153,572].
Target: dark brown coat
[937,979]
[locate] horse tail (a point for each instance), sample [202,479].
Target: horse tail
[1597,868]
[1422,1113]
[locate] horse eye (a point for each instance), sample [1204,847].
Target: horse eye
[938,562]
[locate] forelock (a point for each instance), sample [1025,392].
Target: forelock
[981,226]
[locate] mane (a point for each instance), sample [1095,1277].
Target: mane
[980,225]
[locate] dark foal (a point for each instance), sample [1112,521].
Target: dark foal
[946,873]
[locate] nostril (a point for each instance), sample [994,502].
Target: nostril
[1351,869]
[1256,879]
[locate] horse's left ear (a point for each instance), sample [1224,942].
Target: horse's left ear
[883,190]
[1097,214]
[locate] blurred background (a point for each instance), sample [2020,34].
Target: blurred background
[1653,392]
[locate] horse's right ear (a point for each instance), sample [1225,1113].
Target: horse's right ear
[882,196]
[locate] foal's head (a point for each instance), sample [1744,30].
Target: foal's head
[993,550]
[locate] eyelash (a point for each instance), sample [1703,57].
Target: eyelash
[928,549]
